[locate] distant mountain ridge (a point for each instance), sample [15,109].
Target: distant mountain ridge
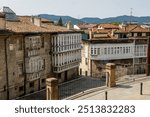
[95,20]
[65,19]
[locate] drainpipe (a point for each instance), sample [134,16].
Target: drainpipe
[6,62]
[25,75]
[148,58]
[134,48]
[91,68]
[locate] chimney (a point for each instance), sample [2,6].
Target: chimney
[90,34]
[123,26]
[36,20]
[2,21]
[112,32]
[69,25]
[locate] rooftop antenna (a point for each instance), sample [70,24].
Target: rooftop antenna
[131,14]
[78,19]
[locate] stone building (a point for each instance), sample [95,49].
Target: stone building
[27,55]
[124,45]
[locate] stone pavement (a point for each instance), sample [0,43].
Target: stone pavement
[123,91]
[91,88]
[68,88]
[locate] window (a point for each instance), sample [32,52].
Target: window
[31,66]
[144,60]
[108,50]
[86,73]
[31,84]
[21,88]
[98,51]
[59,76]
[139,34]
[114,50]
[129,49]
[143,34]
[42,39]
[11,47]
[43,80]
[19,41]
[118,50]
[86,61]
[126,49]
[80,71]
[135,34]
[40,64]
[20,69]
[95,51]
[145,47]
[105,50]
[132,34]
[92,51]
[111,50]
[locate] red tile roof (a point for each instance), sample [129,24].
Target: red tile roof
[108,26]
[24,25]
[86,26]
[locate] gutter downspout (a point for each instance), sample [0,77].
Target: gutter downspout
[25,76]
[6,62]
[134,50]
[148,58]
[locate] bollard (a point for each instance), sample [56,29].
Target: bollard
[141,88]
[52,89]
[105,95]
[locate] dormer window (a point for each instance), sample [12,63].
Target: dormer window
[139,34]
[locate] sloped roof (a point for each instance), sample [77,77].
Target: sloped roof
[101,30]
[132,28]
[86,26]
[108,26]
[24,25]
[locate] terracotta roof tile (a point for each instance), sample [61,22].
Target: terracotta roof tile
[132,28]
[108,26]
[24,25]
[101,30]
[86,26]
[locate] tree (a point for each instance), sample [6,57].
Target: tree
[60,22]
[116,23]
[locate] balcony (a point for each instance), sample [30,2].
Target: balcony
[117,51]
[59,69]
[60,49]
[112,56]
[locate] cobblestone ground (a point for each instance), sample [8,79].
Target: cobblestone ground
[68,88]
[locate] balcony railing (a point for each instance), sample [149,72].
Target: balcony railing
[59,69]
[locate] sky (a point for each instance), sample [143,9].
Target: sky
[79,8]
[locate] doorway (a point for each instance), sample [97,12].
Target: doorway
[66,76]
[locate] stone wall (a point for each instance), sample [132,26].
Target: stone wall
[15,58]
[67,75]
[3,93]
[123,68]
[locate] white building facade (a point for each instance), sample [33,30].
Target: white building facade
[130,58]
[66,50]
[117,51]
